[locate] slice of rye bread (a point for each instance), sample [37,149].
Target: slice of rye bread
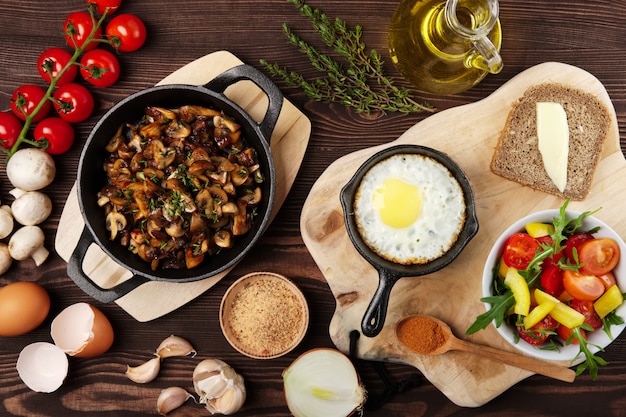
[517,157]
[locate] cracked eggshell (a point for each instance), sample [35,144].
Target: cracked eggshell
[42,366]
[82,330]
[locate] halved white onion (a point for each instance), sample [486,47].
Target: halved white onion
[42,366]
[323,382]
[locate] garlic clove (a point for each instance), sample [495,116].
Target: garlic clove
[145,372]
[220,388]
[171,398]
[175,346]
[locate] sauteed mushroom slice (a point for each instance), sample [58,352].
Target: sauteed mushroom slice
[189,113]
[178,129]
[223,239]
[115,222]
[158,113]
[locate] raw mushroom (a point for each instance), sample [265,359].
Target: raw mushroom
[30,207]
[30,169]
[5,257]
[6,221]
[28,242]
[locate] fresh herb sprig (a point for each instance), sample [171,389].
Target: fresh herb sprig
[503,301]
[362,84]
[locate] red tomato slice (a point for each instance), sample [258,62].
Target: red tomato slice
[582,286]
[552,280]
[585,307]
[565,333]
[608,280]
[598,256]
[574,242]
[519,250]
[539,333]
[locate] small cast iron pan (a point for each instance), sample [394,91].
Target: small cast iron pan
[91,178]
[389,272]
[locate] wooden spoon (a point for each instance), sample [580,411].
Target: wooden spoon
[441,339]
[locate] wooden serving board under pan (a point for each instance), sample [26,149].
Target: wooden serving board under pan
[288,145]
[468,134]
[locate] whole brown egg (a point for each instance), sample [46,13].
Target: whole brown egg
[23,307]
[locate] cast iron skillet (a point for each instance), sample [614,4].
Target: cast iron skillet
[389,272]
[91,178]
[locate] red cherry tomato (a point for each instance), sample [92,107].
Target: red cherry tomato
[77,27]
[608,280]
[100,68]
[519,250]
[539,333]
[73,102]
[57,132]
[598,256]
[585,307]
[10,128]
[127,32]
[581,286]
[552,280]
[26,98]
[565,333]
[574,242]
[52,61]
[103,5]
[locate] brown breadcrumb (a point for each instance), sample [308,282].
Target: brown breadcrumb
[266,317]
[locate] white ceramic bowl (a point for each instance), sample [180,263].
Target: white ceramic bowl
[596,338]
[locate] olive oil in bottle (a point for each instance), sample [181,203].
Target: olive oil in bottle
[446,47]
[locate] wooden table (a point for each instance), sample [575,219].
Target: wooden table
[588,35]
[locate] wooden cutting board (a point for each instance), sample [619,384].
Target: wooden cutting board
[288,144]
[468,134]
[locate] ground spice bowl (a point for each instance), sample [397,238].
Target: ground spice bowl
[264,315]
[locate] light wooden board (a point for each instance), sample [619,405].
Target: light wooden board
[468,134]
[288,144]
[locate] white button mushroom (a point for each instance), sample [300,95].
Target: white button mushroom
[30,207]
[6,221]
[30,169]
[5,258]
[27,242]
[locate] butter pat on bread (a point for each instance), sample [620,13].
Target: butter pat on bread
[517,156]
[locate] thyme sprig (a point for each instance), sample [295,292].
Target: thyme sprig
[361,83]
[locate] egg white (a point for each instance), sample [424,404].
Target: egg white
[437,227]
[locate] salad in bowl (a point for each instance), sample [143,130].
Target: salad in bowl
[553,287]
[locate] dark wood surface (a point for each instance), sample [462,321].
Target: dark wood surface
[586,34]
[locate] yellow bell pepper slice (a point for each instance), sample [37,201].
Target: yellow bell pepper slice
[609,301]
[539,313]
[539,229]
[561,312]
[519,288]
[502,268]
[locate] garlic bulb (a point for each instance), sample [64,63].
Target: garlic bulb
[175,346]
[171,398]
[145,372]
[220,388]
[323,382]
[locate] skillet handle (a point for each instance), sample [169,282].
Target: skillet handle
[75,271]
[374,318]
[247,72]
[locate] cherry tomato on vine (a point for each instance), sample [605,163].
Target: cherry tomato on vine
[73,102]
[127,31]
[52,61]
[77,27]
[598,256]
[519,250]
[10,128]
[57,132]
[26,98]
[102,5]
[100,67]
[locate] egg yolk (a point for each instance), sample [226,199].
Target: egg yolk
[398,203]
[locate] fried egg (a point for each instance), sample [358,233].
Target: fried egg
[409,209]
